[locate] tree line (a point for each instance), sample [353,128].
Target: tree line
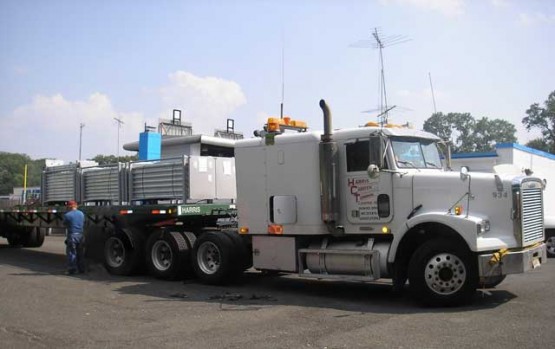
[467,134]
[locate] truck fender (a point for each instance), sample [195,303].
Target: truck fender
[462,225]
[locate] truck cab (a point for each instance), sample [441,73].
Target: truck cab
[375,202]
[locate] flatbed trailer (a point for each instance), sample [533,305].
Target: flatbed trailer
[129,238]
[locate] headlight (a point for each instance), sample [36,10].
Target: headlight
[483,227]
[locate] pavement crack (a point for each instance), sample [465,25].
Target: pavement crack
[34,338]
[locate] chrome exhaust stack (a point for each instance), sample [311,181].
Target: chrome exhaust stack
[329,174]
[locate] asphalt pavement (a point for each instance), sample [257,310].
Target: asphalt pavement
[40,307]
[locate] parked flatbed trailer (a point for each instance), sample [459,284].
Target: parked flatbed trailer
[130,237]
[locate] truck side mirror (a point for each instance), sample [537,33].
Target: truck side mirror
[373,171]
[464,173]
[376,151]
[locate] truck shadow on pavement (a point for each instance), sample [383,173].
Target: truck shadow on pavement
[254,291]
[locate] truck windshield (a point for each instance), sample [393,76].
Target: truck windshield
[415,153]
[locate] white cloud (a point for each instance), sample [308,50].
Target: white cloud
[537,18]
[49,127]
[20,70]
[446,7]
[500,3]
[206,101]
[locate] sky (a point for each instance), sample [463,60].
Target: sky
[67,63]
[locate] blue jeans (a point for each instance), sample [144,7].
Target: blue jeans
[75,244]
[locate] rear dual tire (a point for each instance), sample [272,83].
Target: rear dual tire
[168,255]
[27,237]
[219,257]
[123,252]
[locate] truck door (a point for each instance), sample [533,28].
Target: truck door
[367,200]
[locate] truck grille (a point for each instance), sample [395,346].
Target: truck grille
[532,215]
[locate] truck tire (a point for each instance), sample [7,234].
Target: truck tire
[15,240]
[20,236]
[190,237]
[491,281]
[442,273]
[167,255]
[34,237]
[243,257]
[550,243]
[123,252]
[213,259]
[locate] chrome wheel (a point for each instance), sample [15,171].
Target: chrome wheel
[445,274]
[208,257]
[114,251]
[161,255]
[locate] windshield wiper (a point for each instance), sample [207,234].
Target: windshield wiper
[432,164]
[403,162]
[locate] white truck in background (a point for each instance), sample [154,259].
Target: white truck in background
[374,202]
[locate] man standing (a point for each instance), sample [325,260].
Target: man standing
[74,221]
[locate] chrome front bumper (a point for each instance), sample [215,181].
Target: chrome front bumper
[512,262]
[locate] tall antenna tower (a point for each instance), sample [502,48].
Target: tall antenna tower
[380,42]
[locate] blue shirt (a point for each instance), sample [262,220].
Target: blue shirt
[74,221]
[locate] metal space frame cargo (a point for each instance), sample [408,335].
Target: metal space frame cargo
[359,204]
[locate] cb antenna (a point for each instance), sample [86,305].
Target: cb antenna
[380,42]
[282,73]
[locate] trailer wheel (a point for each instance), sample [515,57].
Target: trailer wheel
[34,237]
[14,240]
[167,255]
[442,274]
[213,258]
[20,236]
[491,281]
[550,243]
[123,252]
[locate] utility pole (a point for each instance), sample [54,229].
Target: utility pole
[120,122]
[81,125]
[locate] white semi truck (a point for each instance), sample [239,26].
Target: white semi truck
[359,204]
[374,202]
